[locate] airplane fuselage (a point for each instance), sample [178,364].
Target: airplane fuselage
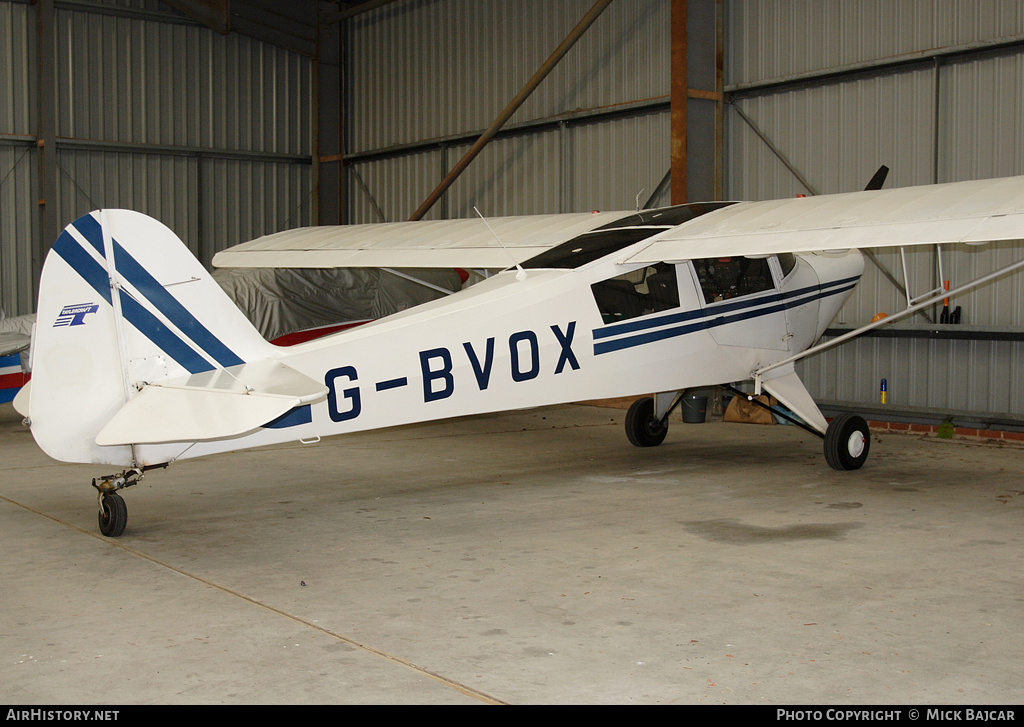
[556,336]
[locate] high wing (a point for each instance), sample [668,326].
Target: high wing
[465,243]
[959,212]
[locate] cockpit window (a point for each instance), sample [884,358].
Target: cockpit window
[637,293]
[619,234]
[590,246]
[788,261]
[731,277]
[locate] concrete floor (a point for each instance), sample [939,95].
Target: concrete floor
[532,557]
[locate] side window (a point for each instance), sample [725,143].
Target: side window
[637,293]
[723,278]
[788,261]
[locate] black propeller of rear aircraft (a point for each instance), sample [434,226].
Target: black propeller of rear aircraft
[879,179]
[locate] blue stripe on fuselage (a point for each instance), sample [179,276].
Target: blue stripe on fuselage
[703,319]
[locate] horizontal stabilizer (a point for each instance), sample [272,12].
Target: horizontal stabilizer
[211,405]
[21,399]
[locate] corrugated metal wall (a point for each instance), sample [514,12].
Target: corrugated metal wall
[19,197]
[933,90]
[209,133]
[425,78]
[149,82]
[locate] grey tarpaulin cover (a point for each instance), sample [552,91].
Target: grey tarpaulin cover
[15,336]
[280,301]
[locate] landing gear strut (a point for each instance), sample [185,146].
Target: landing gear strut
[846,441]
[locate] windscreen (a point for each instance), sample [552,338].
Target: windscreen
[617,235]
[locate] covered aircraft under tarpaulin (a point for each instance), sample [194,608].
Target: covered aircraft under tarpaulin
[290,305]
[162,366]
[15,338]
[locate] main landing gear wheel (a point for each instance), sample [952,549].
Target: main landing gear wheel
[847,441]
[642,427]
[113,515]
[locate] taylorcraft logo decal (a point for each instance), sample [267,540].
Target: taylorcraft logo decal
[74,315]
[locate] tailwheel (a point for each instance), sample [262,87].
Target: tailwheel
[643,428]
[847,441]
[113,515]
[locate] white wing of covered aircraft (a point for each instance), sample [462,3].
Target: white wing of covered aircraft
[13,342]
[141,360]
[15,333]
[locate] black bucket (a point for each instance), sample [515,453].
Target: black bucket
[695,409]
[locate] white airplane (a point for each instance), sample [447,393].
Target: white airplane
[140,360]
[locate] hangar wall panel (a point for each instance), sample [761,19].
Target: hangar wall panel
[162,186]
[189,194]
[132,80]
[512,176]
[958,115]
[615,163]
[393,185]
[18,227]
[420,70]
[18,160]
[211,134]
[790,37]
[17,48]
[265,196]
[443,70]
[979,377]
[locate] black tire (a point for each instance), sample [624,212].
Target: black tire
[847,441]
[113,515]
[642,429]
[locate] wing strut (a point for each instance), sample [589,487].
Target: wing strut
[752,398]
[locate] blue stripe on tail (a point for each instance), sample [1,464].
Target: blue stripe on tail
[156,294]
[145,322]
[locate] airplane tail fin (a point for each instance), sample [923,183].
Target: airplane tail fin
[123,304]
